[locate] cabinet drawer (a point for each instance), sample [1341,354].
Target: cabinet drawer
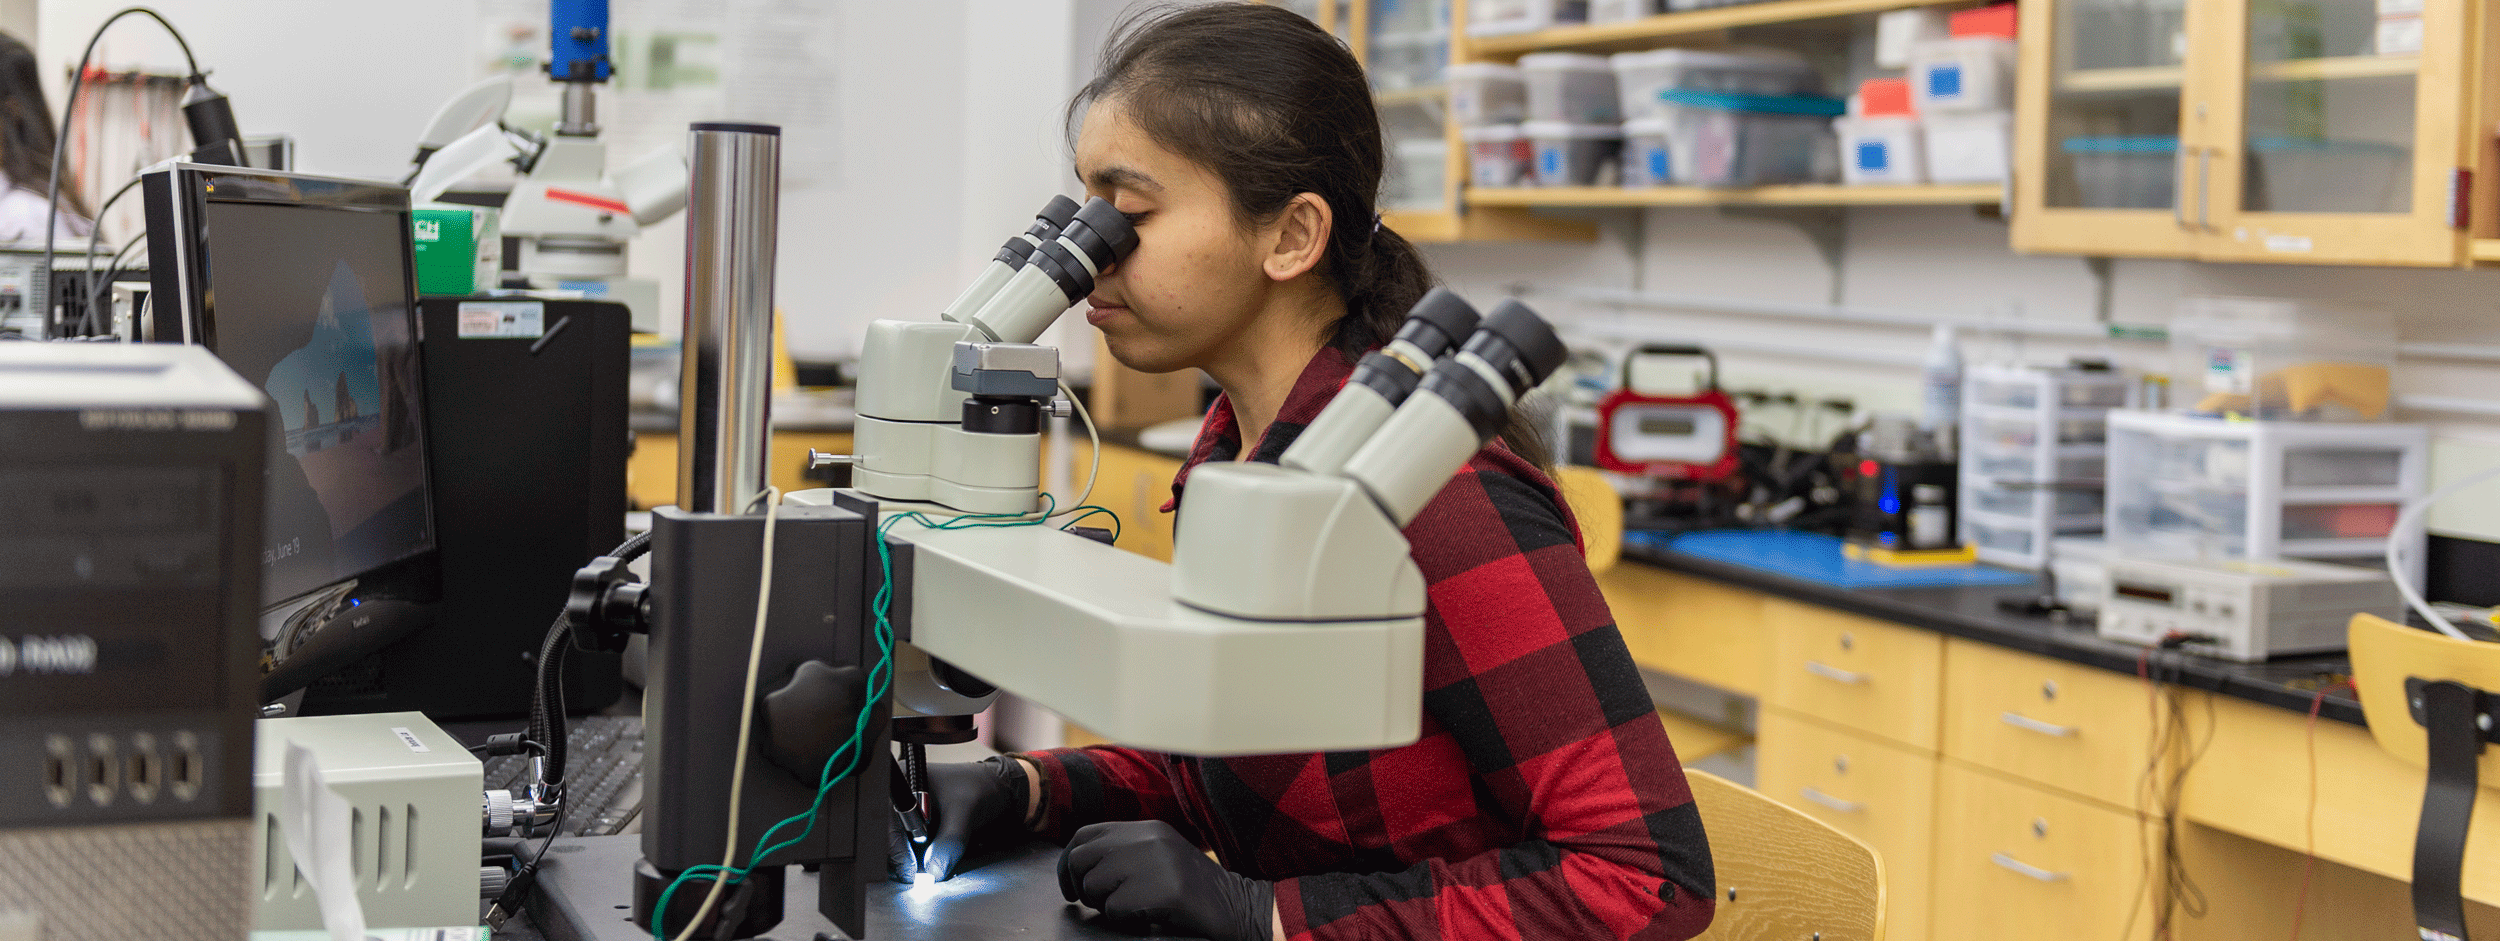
[1861,673]
[1135,485]
[1873,790]
[1691,628]
[2016,861]
[2065,725]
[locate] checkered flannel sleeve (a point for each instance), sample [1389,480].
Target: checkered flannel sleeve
[1528,673]
[1100,783]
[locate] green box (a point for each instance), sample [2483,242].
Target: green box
[459,248]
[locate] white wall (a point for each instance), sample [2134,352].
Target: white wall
[1949,261]
[947,110]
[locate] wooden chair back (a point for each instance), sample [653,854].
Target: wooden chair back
[1599,509]
[1785,876]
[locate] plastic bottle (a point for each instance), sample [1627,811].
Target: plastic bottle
[1940,383]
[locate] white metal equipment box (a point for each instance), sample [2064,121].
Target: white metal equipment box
[2258,608]
[417,795]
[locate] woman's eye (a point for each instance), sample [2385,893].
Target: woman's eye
[1135,217]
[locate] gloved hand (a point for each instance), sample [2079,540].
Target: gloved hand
[1145,872]
[975,803]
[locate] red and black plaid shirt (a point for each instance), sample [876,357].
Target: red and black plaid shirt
[1543,800]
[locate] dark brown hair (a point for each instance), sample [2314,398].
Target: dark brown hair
[26,132]
[1275,107]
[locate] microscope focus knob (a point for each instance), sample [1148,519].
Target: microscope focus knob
[492,880]
[498,811]
[816,459]
[1059,408]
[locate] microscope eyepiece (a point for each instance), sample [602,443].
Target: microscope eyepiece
[1438,323]
[1057,213]
[1102,233]
[1518,344]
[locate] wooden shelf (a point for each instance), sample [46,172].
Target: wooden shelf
[2147,78]
[1815,194]
[2312,70]
[1491,224]
[2483,251]
[1645,33]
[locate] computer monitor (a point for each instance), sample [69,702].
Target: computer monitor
[306,287]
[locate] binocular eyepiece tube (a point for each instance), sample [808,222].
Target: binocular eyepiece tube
[1381,382]
[1058,273]
[1462,402]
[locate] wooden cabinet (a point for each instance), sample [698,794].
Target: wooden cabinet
[2064,725]
[2017,861]
[1873,790]
[1135,485]
[1689,627]
[2303,131]
[1856,672]
[651,470]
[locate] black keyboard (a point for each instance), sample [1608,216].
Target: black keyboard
[602,772]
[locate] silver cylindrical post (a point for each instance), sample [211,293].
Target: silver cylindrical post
[725,378]
[580,117]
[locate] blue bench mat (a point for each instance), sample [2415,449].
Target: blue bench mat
[1815,557]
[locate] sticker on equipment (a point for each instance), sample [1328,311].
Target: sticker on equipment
[410,739]
[510,319]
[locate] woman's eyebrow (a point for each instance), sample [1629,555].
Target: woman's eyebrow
[1119,177]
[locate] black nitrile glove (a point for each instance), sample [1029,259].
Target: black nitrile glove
[1144,872]
[976,804]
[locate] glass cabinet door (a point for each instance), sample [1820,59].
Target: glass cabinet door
[2346,118]
[2105,126]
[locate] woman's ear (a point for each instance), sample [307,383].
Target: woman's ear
[1299,238]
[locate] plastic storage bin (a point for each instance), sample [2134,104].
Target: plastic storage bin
[2080,566]
[2033,455]
[2124,172]
[1570,88]
[1720,139]
[1621,11]
[1574,154]
[1497,155]
[1880,150]
[1483,93]
[2280,359]
[2288,174]
[1640,76]
[1415,180]
[1646,162]
[1963,75]
[2182,486]
[1503,17]
[1968,148]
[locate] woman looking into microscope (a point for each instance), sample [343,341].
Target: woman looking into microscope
[1543,799]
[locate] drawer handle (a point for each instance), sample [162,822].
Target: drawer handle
[1830,672]
[1844,806]
[2021,721]
[2027,869]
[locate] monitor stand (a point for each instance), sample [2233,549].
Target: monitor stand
[586,893]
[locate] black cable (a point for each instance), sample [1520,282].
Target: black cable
[97,301]
[95,237]
[547,699]
[60,143]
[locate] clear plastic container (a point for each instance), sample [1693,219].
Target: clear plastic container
[2288,174]
[1622,11]
[1574,154]
[1497,155]
[2000,538]
[2027,387]
[2343,467]
[1504,17]
[2182,486]
[2281,360]
[2079,565]
[1962,75]
[1416,176]
[1646,161]
[1640,76]
[2039,501]
[2026,465]
[1570,88]
[1881,150]
[1720,139]
[1487,93]
[2124,172]
[1975,147]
